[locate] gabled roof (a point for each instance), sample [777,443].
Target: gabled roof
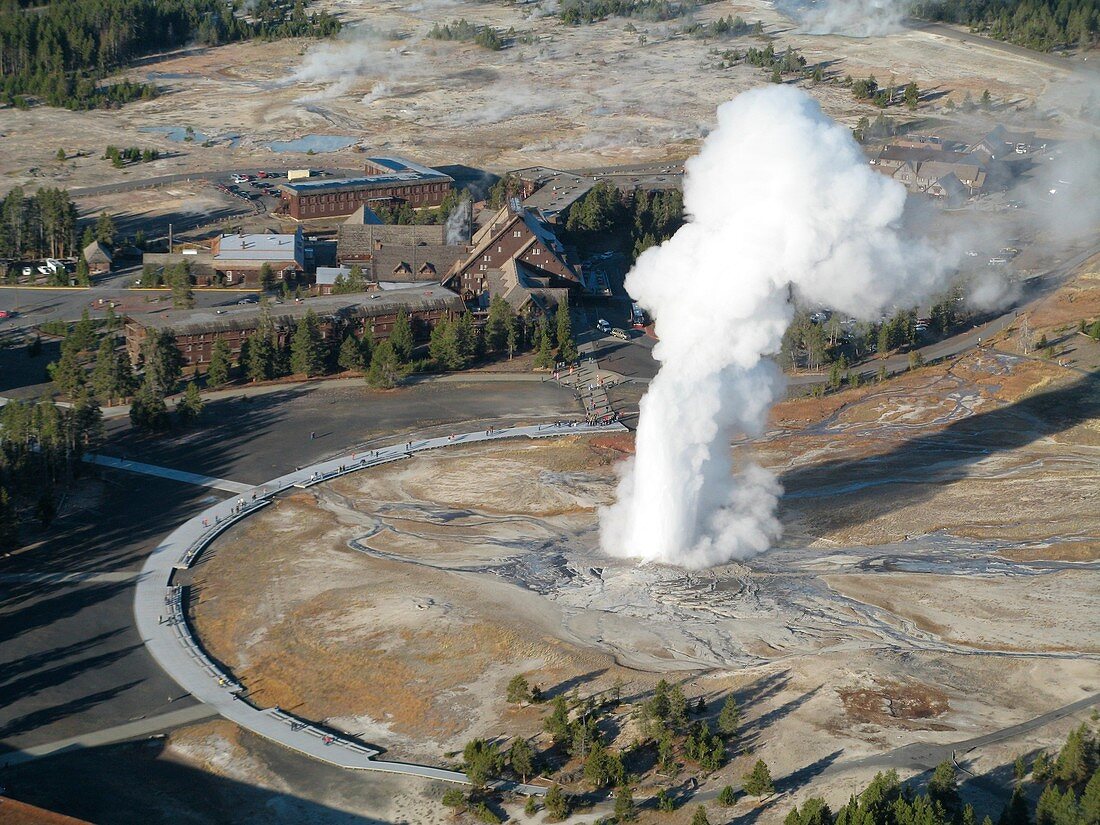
[97,253]
[519,284]
[363,216]
[503,222]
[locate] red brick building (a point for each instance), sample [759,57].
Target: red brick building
[388,179]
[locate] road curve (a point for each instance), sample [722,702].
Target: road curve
[161,614]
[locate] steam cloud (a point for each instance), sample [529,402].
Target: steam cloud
[852,18]
[457,227]
[781,203]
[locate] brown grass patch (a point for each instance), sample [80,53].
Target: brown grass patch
[1061,551]
[897,705]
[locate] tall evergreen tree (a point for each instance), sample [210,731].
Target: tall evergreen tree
[386,368]
[163,362]
[190,406]
[220,363]
[567,347]
[350,356]
[401,337]
[307,351]
[261,350]
[544,356]
[112,376]
[498,325]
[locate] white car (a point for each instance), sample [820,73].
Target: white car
[603,326]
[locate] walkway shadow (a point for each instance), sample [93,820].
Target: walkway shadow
[139,783]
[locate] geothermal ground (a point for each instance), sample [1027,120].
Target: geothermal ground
[611,92]
[936,581]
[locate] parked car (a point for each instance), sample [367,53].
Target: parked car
[621,334]
[603,326]
[248,299]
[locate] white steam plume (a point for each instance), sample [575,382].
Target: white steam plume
[780,201]
[457,227]
[851,18]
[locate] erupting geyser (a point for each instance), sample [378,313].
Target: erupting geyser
[780,202]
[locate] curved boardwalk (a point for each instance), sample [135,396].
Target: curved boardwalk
[162,617]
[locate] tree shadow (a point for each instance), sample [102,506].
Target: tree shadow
[795,780]
[46,716]
[140,783]
[33,661]
[946,454]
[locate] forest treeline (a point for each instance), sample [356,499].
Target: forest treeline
[59,51]
[1042,25]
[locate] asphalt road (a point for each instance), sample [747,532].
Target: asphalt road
[72,662]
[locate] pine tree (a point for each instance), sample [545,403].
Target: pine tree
[267,276]
[727,796]
[443,345]
[1090,801]
[557,803]
[1076,761]
[105,229]
[1015,812]
[759,781]
[261,355]
[498,324]
[163,362]
[350,356]
[624,804]
[557,723]
[401,337]
[700,817]
[521,757]
[112,377]
[385,367]
[567,347]
[190,406]
[67,372]
[544,357]
[467,340]
[942,788]
[307,350]
[147,410]
[518,690]
[220,363]
[729,718]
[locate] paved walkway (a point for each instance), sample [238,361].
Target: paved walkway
[110,736]
[167,472]
[161,612]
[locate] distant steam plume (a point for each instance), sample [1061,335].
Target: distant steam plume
[781,203]
[457,227]
[851,18]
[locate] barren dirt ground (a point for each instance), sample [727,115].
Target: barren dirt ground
[611,92]
[936,581]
